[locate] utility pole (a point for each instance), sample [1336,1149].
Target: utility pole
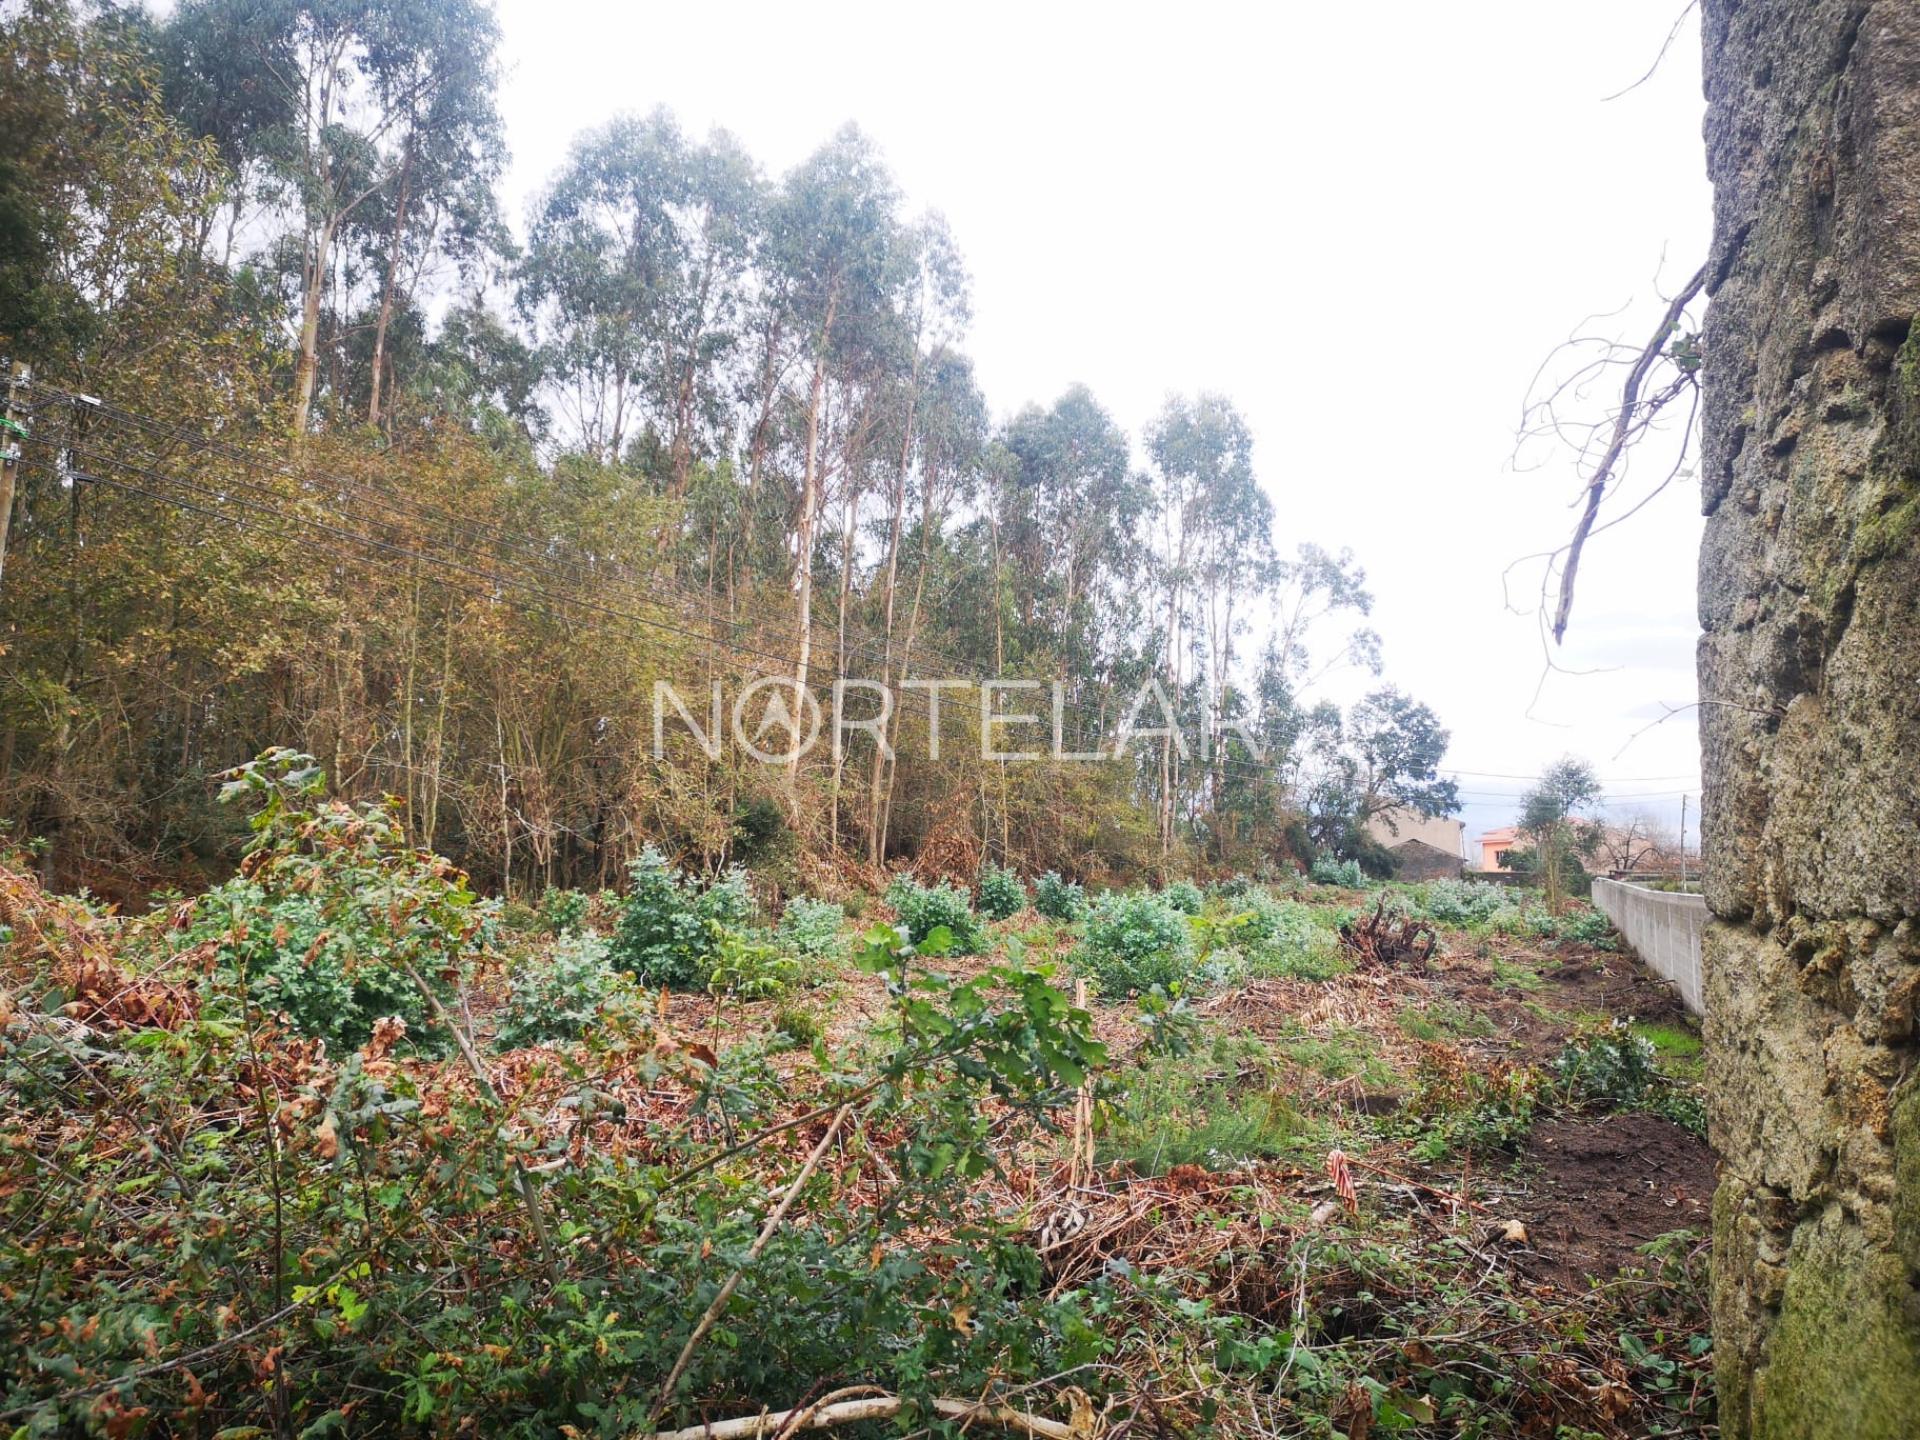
[13,431]
[1683,839]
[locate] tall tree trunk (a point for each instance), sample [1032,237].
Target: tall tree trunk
[913,632]
[803,563]
[849,515]
[307,363]
[890,588]
[386,290]
[1809,665]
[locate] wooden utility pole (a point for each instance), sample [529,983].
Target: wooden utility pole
[1683,839]
[13,431]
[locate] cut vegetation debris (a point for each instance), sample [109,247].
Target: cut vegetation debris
[830,1174]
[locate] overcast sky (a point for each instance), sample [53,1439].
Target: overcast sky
[1365,226]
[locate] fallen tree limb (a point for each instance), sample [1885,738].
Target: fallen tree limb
[872,1407]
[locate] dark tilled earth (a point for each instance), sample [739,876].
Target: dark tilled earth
[1602,1186]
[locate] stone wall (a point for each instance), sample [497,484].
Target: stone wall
[1664,929]
[1810,712]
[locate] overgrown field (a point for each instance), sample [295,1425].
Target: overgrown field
[340,1148]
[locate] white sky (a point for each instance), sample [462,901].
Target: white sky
[1365,225]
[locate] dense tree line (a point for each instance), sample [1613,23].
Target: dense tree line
[360,472]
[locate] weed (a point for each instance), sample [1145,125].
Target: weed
[1463,1108]
[1589,927]
[670,929]
[1345,873]
[796,1025]
[1184,896]
[1444,1019]
[1515,975]
[1462,902]
[1340,1054]
[564,912]
[1217,1110]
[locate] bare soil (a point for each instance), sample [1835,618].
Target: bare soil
[1599,1187]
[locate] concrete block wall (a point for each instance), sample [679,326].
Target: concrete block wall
[1664,930]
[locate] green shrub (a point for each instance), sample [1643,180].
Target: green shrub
[1589,927]
[1610,1064]
[670,930]
[1059,899]
[1002,896]
[812,929]
[1133,942]
[748,966]
[1184,896]
[557,997]
[564,912]
[925,908]
[1328,871]
[1462,902]
[335,919]
[1234,889]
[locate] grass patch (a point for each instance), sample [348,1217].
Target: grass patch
[1515,975]
[1445,1020]
[1676,1049]
[1217,1110]
[1340,1054]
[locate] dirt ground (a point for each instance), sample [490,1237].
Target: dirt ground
[1600,1187]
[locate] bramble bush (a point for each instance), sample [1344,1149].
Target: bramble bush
[1135,941]
[333,919]
[670,930]
[1059,899]
[925,908]
[281,1240]
[1002,896]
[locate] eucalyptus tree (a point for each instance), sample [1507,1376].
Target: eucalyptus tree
[636,273]
[843,264]
[1212,529]
[222,78]
[363,94]
[440,80]
[1067,513]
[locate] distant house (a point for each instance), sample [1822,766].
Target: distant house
[1424,847]
[1492,843]
[1630,849]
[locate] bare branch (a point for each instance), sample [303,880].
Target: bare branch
[1634,416]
